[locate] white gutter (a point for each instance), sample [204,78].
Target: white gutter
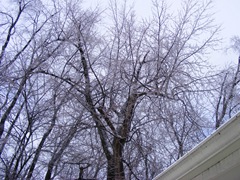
[209,153]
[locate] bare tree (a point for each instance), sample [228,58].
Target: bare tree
[13,68]
[135,65]
[120,88]
[227,95]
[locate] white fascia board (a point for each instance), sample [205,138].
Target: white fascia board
[223,142]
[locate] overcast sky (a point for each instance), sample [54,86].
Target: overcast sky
[227,15]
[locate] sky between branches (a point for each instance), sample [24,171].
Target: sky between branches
[226,14]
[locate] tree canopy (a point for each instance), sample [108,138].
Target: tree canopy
[102,94]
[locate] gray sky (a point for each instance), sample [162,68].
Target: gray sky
[226,14]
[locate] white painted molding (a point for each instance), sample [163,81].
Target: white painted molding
[211,153]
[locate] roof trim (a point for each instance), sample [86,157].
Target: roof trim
[210,151]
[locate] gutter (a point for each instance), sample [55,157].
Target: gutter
[218,146]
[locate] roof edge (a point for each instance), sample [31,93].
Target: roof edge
[219,144]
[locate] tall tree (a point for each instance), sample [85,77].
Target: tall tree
[134,62]
[83,79]
[226,102]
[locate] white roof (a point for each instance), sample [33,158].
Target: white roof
[215,158]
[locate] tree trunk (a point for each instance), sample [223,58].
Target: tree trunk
[59,153]
[12,104]
[38,151]
[49,172]
[115,170]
